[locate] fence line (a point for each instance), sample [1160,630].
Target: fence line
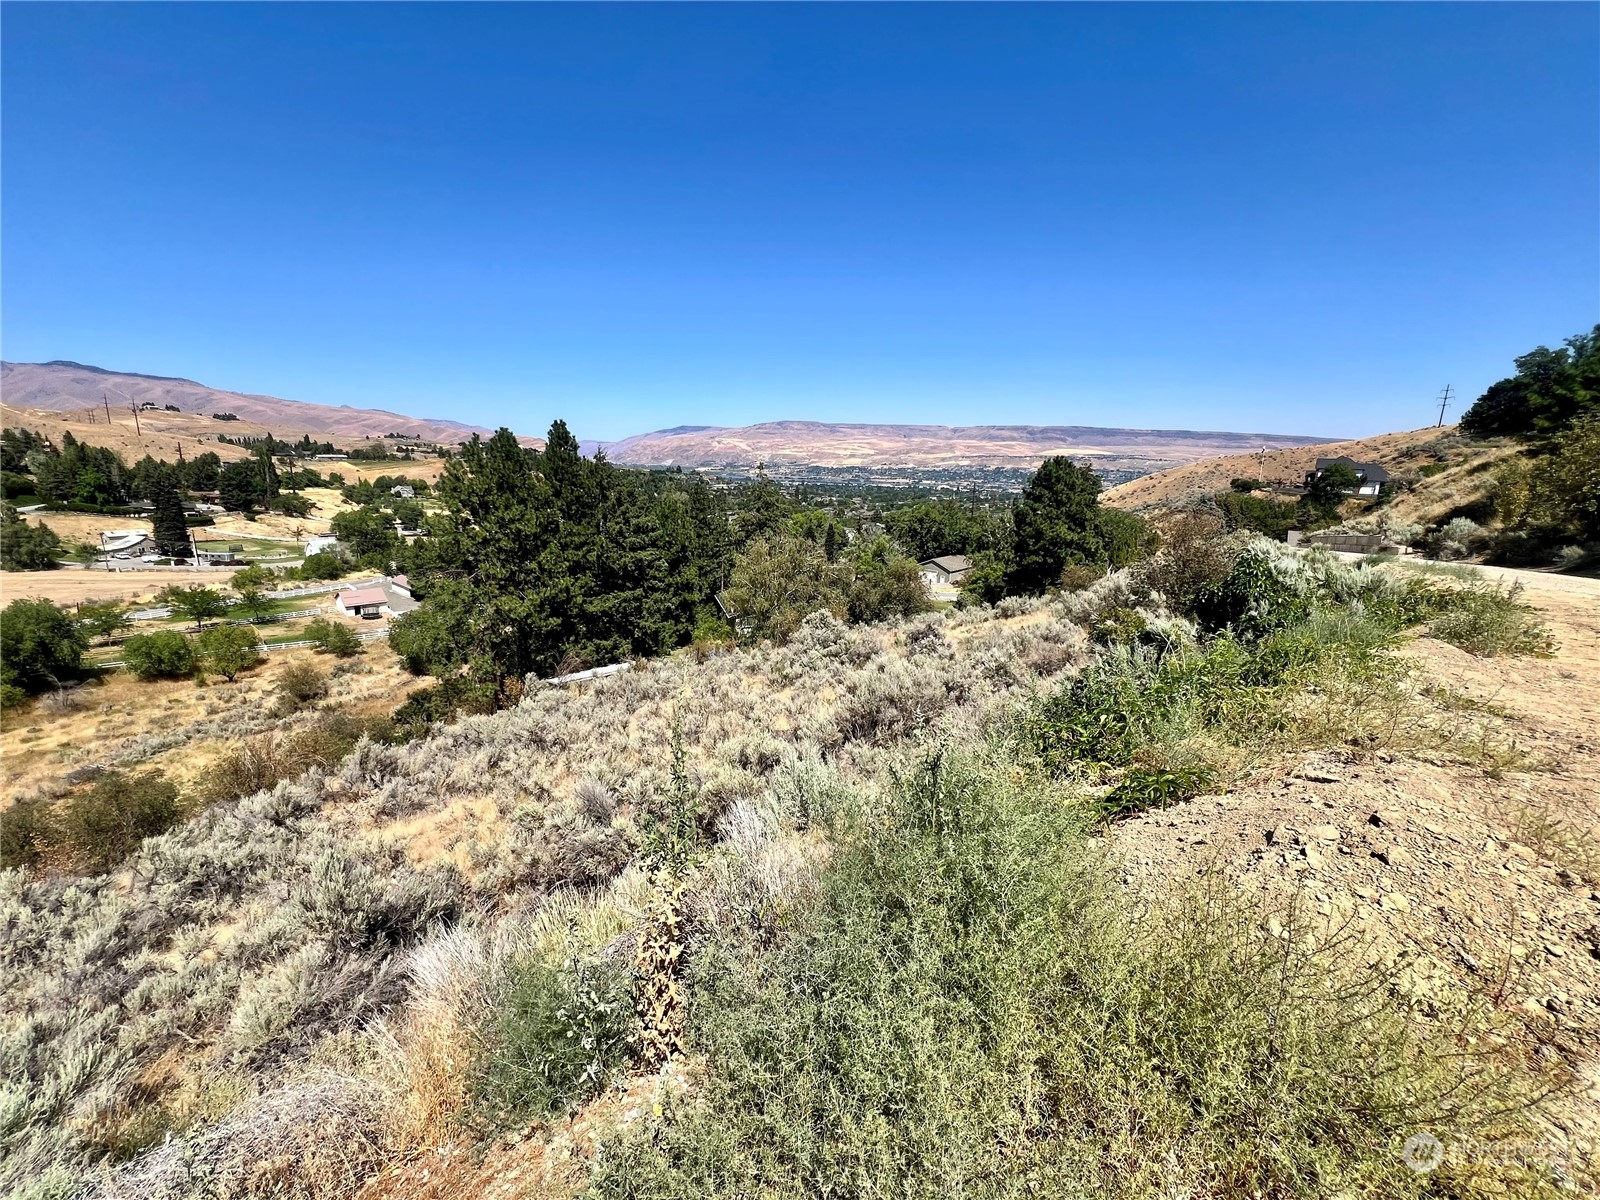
[263,647]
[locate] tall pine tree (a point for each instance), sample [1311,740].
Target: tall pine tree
[1057,522]
[171,533]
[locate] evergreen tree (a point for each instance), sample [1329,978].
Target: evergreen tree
[25,547]
[240,485]
[1057,521]
[171,532]
[201,473]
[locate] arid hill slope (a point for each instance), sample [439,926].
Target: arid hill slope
[67,387]
[1285,465]
[158,434]
[817,443]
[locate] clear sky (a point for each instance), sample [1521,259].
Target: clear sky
[1288,218]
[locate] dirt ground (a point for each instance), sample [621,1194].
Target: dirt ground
[1484,884]
[184,727]
[71,585]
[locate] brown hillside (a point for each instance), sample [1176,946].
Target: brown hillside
[70,387]
[158,434]
[1397,452]
[817,443]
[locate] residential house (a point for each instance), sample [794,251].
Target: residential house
[947,571]
[121,541]
[1371,475]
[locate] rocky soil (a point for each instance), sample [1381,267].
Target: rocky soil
[1480,883]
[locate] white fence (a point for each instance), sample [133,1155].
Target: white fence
[264,647]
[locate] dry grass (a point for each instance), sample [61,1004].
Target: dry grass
[256,942]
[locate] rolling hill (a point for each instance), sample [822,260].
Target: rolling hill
[74,387]
[815,443]
[1287,466]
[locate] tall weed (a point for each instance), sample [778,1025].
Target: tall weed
[969,1008]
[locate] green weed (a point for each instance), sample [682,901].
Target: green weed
[971,1009]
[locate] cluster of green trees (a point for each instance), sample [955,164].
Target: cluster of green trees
[42,645]
[1551,497]
[74,472]
[25,547]
[78,474]
[1551,390]
[1059,522]
[548,559]
[775,584]
[304,448]
[368,533]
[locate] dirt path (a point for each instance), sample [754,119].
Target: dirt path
[1540,581]
[1485,883]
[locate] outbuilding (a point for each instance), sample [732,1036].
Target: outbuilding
[369,603]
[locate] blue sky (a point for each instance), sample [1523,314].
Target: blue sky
[1287,218]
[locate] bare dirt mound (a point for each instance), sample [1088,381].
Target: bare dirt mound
[1482,885]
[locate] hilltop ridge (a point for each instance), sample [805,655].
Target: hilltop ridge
[832,444]
[64,386]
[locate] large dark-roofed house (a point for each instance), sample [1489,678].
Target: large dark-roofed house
[1371,475]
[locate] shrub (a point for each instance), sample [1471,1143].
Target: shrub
[302,683]
[1457,538]
[26,832]
[40,645]
[333,638]
[1077,576]
[261,762]
[969,1007]
[1268,588]
[106,824]
[1118,626]
[229,649]
[453,696]
[164,655]
[325,564]
[253,578]
[1194,557]
[561,1033]
[1488,620]
[1144,788]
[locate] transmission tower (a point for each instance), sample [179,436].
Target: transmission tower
[1444,402]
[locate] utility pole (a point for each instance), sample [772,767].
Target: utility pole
[134,409]
[1444,401]
[106,400]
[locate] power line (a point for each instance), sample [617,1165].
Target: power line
[1444,402]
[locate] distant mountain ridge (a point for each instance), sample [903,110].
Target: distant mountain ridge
[66,386]
[818,443]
